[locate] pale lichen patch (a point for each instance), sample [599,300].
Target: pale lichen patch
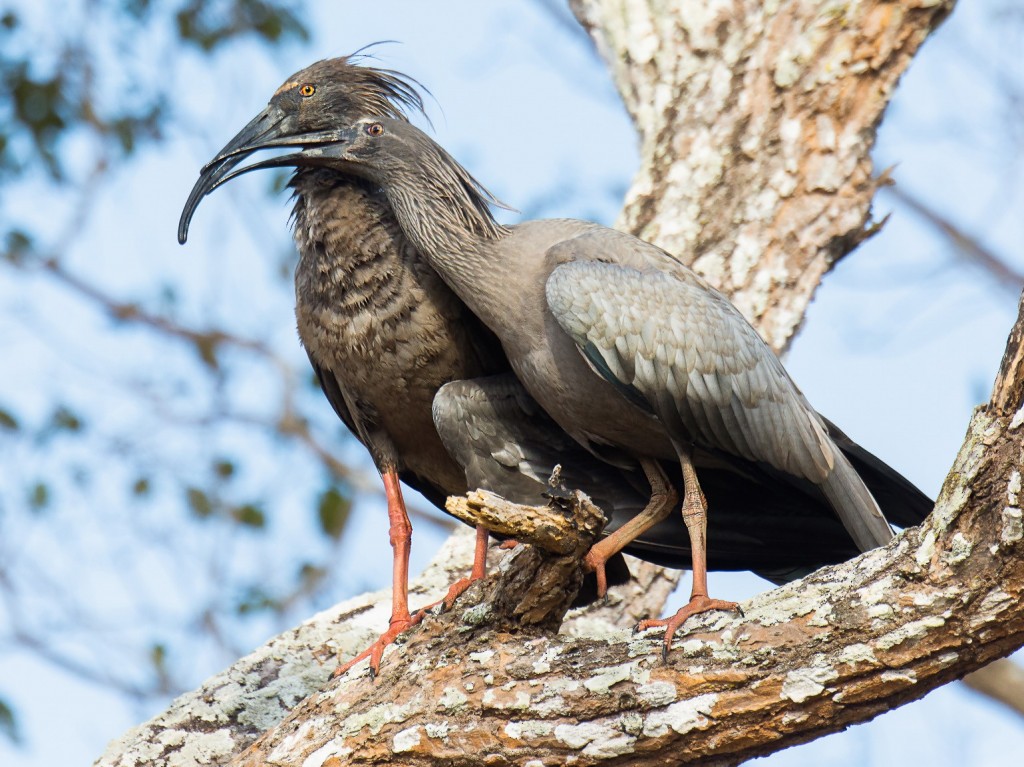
[960,549]
[858,653]
[333,748]
[875,593]
[692,647]
[548,704]
[657,693]
[520,701]
[794,717]
[451,699]
[994,602]
[1018,419]
[437,730]
[945,513]
[598,741]
[783,604]
[912,630]
[822,616]
[543,665]
[805,683]
[1013,526]
[481,657]
[926,551]
[406,740]
[682,717]
[1013,487]
[528,730]
[377,716]
[631,723]
[605,678]
[202,748]
[905,677]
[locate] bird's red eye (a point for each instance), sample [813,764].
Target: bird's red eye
[374,129]
[307,90]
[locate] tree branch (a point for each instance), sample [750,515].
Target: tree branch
[756,122]
[836,648]
[969,247]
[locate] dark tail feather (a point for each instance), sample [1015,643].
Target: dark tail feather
[901,502]
[857,509]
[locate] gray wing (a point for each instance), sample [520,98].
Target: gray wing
[672,341]
[507,444]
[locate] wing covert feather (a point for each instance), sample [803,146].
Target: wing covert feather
[705,371]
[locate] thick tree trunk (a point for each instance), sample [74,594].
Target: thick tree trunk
[756,123]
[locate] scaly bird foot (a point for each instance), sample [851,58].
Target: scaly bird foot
[376,651]
[454,592]
[595,564]
[507,544]
[696,605]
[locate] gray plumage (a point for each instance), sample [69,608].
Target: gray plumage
[381,329]
[762,518]
[627,349]
[509,445]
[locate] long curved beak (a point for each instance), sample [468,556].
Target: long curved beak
[272,127]
[330,154]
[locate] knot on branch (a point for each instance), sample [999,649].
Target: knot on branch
[537,584]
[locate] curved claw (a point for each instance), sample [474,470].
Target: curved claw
[696,605]
[376,651]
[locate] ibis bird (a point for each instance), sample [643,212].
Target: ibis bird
[626,349]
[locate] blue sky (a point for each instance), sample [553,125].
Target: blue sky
[900,344]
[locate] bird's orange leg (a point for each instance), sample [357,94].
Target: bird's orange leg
[401,542]
[478,572]
[695,516]
[663,498]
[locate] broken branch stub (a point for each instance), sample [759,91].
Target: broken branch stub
[536,586]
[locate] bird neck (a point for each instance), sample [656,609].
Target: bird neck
[452,227]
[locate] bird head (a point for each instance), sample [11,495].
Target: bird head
[396,155]
[306,110]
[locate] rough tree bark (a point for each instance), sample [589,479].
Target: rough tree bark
[756,122]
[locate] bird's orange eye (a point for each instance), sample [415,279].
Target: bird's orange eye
[374,129]
[307,90]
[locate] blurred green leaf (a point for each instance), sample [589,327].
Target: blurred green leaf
[223,468]
[199,502]
[250,515]
[333,510]
[9,723]
[39,496]
[205,24]
[64,419]
[158,657]
[141,487]
[8,421]
[17,246]
[207,345]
